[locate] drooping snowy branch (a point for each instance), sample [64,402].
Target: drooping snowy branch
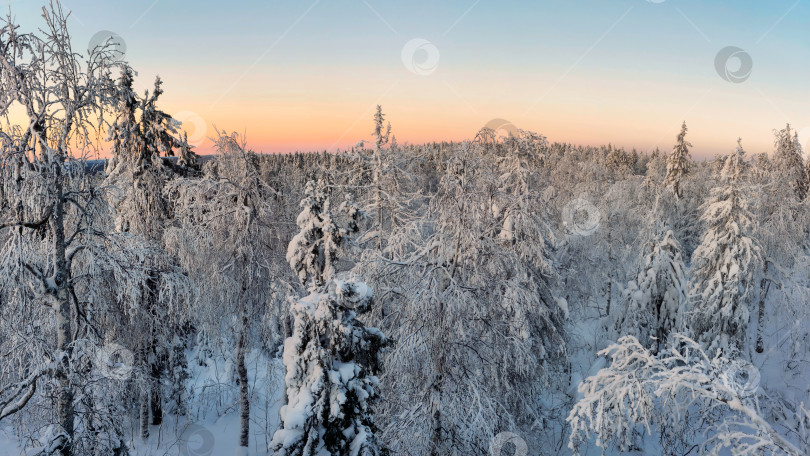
[640,394]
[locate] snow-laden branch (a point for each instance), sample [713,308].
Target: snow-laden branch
[638,392]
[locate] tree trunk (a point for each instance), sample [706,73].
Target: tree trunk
[143,398]
[378,197]
[288,326]
[438,355]
[92,432]
[244,400]
[155,400]
[65,409]
[661,332]
[610,279]
[154,361]
[144,412]
[763,294]
[436,425]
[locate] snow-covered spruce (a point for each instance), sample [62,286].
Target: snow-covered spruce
[789,166]
[725,265]
[312,253]
[331,361]
[655,300]
[678,163]
[140,133]
[331,358]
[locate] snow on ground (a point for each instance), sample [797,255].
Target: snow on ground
[8,444]
[212,425]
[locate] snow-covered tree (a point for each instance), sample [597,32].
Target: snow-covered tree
[788,163]
[124,132]
[620,162]
[683,398]
[222,234]
[141,133]
[477,326]
[312,253]
[35,205]
[380,138]
[331,358]
[782,221]
[178,376]
[725,265]
[381,179]
[656,298]
[59,251]
[678,163]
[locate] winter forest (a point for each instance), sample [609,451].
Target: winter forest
[505,295]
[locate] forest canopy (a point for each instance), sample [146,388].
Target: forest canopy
[451,298]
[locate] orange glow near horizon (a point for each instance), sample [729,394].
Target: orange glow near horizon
[297,77]
[315,112]
[318,126]
[290,130]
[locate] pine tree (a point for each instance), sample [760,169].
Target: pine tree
[125,131]
[141,133]
[331,358]
[158,128]
[678,163]
[725,265]
[381,139]
[656,298]
[788,162]
[313,251]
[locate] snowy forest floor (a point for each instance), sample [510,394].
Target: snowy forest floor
[212,425]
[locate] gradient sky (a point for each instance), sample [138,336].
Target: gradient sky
[303,75]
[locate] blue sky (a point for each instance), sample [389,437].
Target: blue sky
[305,74]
